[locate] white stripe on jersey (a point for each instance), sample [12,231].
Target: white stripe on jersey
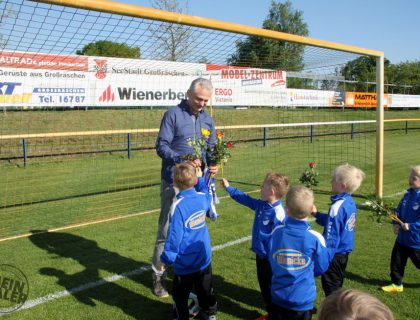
[174,204]
[319,236]
[335,207]
[280,214]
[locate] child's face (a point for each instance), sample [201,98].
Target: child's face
[266,191]
[414,180]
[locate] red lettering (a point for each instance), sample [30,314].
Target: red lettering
[222,92]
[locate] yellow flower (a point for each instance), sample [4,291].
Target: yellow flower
[205,133]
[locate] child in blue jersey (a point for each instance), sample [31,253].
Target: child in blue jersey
[188,247]
[296,254]
[339,224]
[407,244]
[269,213]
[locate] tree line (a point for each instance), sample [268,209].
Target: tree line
[174,42]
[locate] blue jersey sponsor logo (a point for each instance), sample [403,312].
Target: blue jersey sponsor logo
[196,221]
[351,222]
[291,259]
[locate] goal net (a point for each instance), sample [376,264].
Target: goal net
[78,124]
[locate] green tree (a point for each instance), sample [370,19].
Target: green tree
[405,76]
[274,54]
[399,78]
[106,48]
[173,40]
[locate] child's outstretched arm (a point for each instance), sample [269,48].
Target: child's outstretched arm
[239,196]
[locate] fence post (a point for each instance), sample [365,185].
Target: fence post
[129,145]
[24,153]
[265,137]
[406,127]
[352,131]
[312,134]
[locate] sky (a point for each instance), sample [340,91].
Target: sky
[389,26]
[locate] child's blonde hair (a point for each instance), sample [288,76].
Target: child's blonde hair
[353,305]
[185,176]
[299,202]
[416,170]
[279,182]
[350,176]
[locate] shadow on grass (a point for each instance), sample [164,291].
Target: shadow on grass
[231,298]
[87,285]
[376,282]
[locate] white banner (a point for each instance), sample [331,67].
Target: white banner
[403,101]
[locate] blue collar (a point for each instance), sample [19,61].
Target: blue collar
[299,224]
[339,196]
[186,193]
[185,107]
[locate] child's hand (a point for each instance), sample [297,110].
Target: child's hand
[197,162]
[405,227]
[198,171]
[224,183]
[396,228]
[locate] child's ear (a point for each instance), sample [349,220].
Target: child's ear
[273,192]
[286,208]
[196,180]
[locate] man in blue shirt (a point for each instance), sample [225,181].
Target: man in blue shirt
[179,124]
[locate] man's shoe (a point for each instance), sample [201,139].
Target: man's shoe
[263,317]
[159,288]
[393,288]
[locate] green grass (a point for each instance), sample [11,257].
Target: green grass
[59,191]
[65,260]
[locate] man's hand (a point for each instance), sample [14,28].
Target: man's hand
[224,183]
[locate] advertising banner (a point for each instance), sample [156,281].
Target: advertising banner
[309,98]
[236,86]
[403,101]
[363,100]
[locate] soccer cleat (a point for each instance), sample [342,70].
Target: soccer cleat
[393,288]
[263,317]
[159,286]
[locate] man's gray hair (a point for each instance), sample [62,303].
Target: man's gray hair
[206,83]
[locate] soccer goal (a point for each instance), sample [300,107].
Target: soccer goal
[84,85]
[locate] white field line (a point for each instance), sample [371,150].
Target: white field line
[65,293]
[131,215]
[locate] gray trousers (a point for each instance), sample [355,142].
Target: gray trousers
[167,194]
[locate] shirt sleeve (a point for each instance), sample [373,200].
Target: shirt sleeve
[321,218]
[165,138]
[321,258]
[242,198]
[174,238]
[336,231]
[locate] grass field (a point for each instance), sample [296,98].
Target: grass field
[60,191]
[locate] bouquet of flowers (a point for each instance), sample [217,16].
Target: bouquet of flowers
[198,146]
[310,176]
[220,153]
[380,209]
